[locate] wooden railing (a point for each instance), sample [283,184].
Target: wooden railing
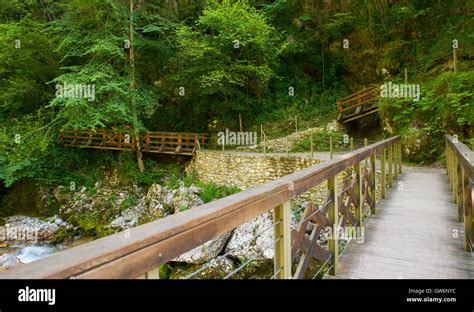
[151,142]
[358,104]
[460,171]
[140,250]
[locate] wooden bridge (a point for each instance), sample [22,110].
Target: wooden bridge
[415,232]
[358,105]
[364,102]
[150,142]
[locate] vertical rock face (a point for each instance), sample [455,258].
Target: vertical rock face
[244,171]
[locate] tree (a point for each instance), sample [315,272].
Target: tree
[227,59]
[98,50]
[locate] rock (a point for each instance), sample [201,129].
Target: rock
[8,261]
[156,201]
[254,239]
[242,245]
[183,199]
[205,252]
[159,202]
[29,229]
[61,194]
[215,269]
[334,126]
[195,189]
[129,218]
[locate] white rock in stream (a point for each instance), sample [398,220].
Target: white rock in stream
[8,261]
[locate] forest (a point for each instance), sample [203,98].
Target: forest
[207,66]
[190,77]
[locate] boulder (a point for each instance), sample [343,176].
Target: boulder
[157,202]
[8,261]
[29,229]
[242,245]
[61,194]
[205,252]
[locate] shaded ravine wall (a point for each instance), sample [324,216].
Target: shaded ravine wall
[244,171]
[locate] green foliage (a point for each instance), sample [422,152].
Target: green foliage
[27,63]
[445,107]
[320,142]
[228,58]
[211,191]
[232,57]
[21,149]
[92,54]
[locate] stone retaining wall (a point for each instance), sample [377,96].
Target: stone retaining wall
[245,171]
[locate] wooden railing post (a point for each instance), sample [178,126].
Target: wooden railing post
[446,152]
[282,231]
[468,197]
[454,169]
[390,166]
[400,170]
[330,148]
[366,142]
[352,143]
[459,190]
[334,221]
[153,274]
[373,186]
[448,165]
[382,172]
[395,161]
[359,200]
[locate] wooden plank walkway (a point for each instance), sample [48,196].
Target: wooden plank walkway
[412,235]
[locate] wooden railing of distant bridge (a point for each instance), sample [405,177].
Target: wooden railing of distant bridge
[143,248]
[150,142]
[460,171]
[358,105]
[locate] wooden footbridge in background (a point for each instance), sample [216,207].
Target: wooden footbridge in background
[150,142]
[358,105]
[415,232]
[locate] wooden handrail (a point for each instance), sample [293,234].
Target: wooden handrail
[463,154]
[145,247]
[354,95]
[460,171]
[153,142]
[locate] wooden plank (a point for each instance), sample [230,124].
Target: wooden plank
[334,220]
[412,235]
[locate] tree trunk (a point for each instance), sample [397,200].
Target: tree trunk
[138,148]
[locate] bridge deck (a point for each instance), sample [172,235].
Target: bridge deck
[412,235]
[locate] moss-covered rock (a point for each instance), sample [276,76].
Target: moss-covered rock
[215,269]
[29,199]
